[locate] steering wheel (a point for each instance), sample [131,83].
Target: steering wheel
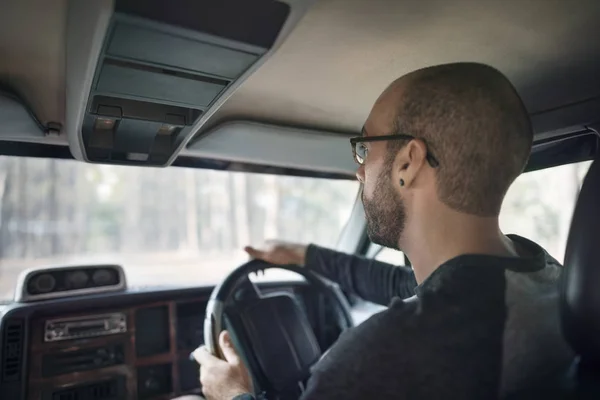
[270,330]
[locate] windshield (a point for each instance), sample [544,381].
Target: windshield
[165,226]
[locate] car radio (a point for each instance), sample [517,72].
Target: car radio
[84,327]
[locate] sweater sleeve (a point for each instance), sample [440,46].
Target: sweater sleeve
[372,280]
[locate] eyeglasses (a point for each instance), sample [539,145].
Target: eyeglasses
[360,150]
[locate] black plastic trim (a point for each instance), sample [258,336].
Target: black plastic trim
[119,107]
[256,22]
[564,149]
[167,71]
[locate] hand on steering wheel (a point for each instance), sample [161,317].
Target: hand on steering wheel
[279,253]
[223,379]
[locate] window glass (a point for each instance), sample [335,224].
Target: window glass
[169,226]
[539,205]
[390,256]
[362,309]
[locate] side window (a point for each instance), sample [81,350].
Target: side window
[362,309]
[539,205]
[390,256]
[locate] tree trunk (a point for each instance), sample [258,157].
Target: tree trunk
[191,220]
[272,208]
[21,216]
[53,180]
[5,204]
[242,226]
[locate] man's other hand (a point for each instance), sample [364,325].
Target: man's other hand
[223,379]
[279,253]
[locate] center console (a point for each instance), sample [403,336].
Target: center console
[124,345]
[136,353]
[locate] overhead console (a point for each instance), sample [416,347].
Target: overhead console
[158,70]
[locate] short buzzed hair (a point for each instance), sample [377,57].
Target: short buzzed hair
[477,127]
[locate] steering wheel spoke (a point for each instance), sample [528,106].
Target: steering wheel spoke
[246,291]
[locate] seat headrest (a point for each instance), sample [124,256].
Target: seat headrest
[580,290]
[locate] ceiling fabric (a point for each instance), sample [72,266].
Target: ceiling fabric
[345,52]
[32,54]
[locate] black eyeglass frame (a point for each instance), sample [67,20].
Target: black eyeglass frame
[364,139]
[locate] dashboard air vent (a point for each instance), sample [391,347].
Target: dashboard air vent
[12,350]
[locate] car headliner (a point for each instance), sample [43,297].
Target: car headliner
[343,53]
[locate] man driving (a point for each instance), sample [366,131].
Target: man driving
[437,154]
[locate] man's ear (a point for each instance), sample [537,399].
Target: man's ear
[409,161]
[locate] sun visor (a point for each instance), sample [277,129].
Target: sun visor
[18,122]
[257,143]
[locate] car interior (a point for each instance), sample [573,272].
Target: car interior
[144,143]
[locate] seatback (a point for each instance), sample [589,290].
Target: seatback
[580,289]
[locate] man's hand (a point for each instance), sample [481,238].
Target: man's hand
[280,253]
[223,379]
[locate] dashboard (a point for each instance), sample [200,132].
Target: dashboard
[111,346]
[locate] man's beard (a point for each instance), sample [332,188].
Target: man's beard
[385,213]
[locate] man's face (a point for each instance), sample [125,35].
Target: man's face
[384,207]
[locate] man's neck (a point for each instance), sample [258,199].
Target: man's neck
[446,234]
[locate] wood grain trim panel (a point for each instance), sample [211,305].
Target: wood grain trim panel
[38,384]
